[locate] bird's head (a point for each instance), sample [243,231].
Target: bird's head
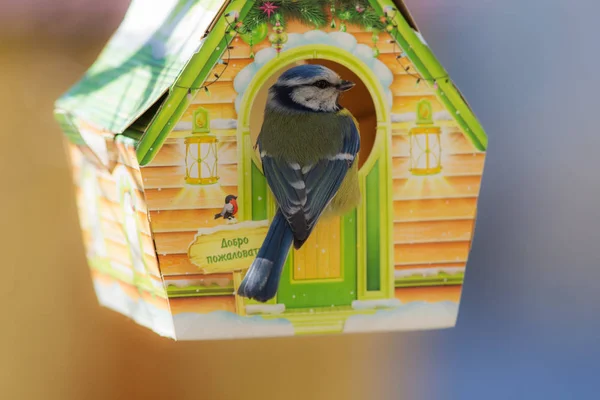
[308,88]
[230,198]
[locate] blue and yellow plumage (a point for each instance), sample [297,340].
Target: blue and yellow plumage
[308,145]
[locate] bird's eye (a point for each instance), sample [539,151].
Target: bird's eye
[322,84]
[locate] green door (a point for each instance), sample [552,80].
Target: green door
[323,272]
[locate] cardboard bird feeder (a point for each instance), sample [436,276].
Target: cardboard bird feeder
[173,203]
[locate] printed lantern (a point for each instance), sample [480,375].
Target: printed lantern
[425,144]
[201,152]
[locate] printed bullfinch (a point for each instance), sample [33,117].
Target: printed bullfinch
[230,208]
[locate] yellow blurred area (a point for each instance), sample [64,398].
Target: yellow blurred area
[56,342]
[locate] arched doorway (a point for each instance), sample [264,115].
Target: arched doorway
[358,101]
[347,258]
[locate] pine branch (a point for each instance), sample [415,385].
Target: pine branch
[309,12]
[368,19]
[314,13]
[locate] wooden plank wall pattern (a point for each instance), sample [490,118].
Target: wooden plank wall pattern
[110,213]
[433,217]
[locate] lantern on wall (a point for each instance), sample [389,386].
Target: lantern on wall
[425,144]
[201,152]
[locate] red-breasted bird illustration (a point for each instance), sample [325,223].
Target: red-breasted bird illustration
[230,208]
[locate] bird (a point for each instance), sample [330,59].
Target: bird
[229,209]
[308,145]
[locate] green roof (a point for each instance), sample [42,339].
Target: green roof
[141,61]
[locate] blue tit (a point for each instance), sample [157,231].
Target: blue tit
[309,146]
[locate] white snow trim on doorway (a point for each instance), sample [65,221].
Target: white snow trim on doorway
[341,40]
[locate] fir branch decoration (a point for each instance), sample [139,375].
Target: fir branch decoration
[359,13]
[315,13]
[308,12]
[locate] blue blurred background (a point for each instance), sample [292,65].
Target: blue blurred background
[530,314]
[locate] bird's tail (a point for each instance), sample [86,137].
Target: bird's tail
[262,280]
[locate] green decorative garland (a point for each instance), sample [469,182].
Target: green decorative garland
[356,13]
[311,13]
[315,13]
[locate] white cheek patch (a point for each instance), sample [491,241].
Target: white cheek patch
[326,74]
[315,98]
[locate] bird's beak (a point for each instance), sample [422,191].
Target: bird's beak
[345,86]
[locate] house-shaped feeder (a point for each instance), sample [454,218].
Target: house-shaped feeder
[161,133]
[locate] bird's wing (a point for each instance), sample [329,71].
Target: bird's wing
[303,192]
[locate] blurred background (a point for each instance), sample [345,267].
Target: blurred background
[530,314]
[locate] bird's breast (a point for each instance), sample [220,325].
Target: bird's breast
[303,137]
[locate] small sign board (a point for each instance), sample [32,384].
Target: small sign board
[227,248]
